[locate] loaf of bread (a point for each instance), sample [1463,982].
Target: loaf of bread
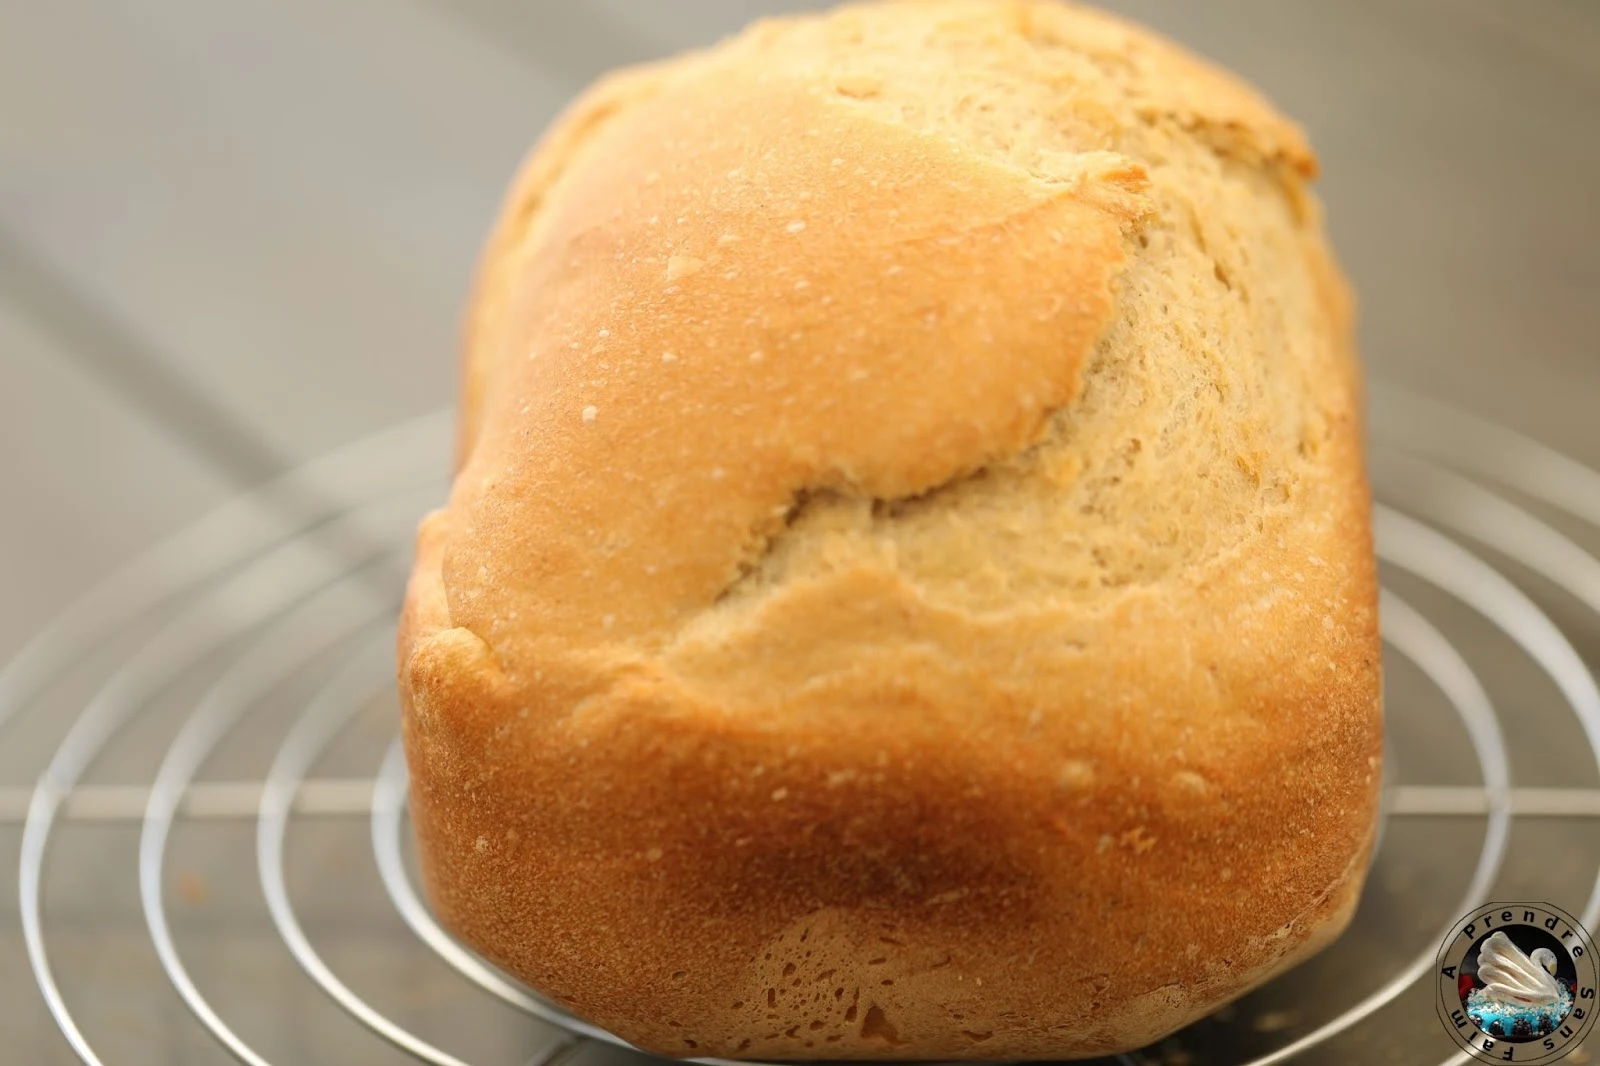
[907,590]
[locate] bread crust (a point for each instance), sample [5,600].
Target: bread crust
[763,696]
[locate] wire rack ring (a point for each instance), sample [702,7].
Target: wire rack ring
[270,585]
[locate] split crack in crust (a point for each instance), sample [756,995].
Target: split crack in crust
[1255,153]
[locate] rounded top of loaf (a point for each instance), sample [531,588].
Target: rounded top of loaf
[837,286]
[914,449]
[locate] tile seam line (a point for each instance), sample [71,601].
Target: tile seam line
[137,379]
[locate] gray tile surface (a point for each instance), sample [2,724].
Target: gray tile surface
[234,236]
[281,201]
[85,480]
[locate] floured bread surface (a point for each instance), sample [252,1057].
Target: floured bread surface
[908,590]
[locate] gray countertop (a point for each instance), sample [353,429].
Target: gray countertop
[236,236]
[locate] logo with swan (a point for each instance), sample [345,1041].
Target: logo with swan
[1517,983]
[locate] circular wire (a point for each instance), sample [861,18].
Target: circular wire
[240,570]
[323,622]
[324,718]
[291,572]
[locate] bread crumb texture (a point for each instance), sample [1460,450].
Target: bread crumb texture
[948,627]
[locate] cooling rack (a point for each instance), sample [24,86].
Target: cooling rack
[209,736]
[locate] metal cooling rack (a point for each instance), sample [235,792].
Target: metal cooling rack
[252,656]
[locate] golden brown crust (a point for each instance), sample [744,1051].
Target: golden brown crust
[513,233]
[908,592]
